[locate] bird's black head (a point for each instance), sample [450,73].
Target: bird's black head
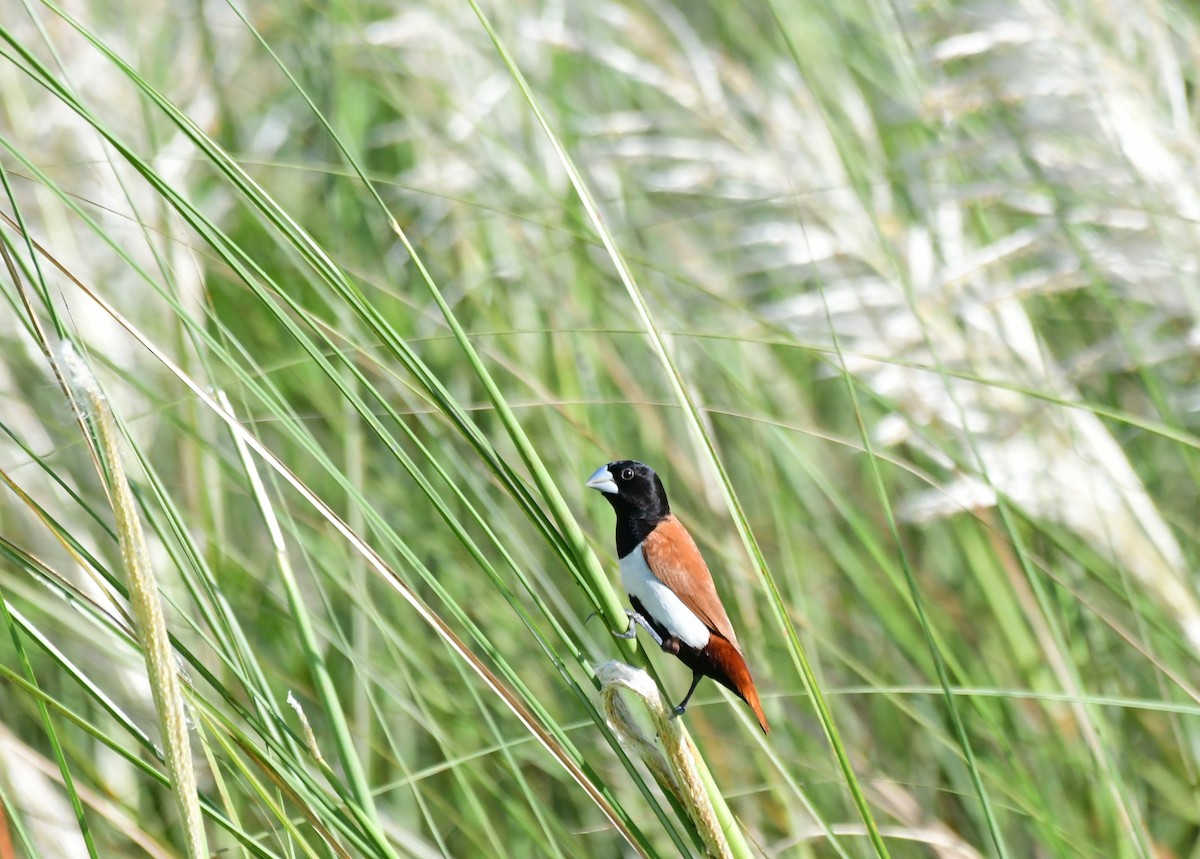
[633,489]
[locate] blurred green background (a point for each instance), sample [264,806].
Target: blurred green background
[900,300]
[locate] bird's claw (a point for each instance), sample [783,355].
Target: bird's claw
[636,620]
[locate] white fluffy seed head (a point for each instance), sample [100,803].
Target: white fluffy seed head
[668,753]
[77,374]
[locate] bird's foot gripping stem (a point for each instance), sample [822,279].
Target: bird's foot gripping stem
[636,620]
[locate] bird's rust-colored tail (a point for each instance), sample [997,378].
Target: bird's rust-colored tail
[728,667]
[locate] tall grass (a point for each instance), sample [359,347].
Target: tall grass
[898,299]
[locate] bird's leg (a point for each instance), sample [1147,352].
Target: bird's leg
[636,620]
[678,711]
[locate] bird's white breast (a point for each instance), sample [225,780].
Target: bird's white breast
[660,602]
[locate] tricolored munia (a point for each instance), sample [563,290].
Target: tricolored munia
[669,585]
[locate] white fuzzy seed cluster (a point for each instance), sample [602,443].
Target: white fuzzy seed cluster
[151,625]
[670,755]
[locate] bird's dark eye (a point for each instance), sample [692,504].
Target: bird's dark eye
[627,474]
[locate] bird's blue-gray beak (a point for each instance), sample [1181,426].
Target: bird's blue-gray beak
[602,481]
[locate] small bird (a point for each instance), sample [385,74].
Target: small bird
[669,585]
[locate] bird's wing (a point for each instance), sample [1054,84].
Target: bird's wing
[672,555]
